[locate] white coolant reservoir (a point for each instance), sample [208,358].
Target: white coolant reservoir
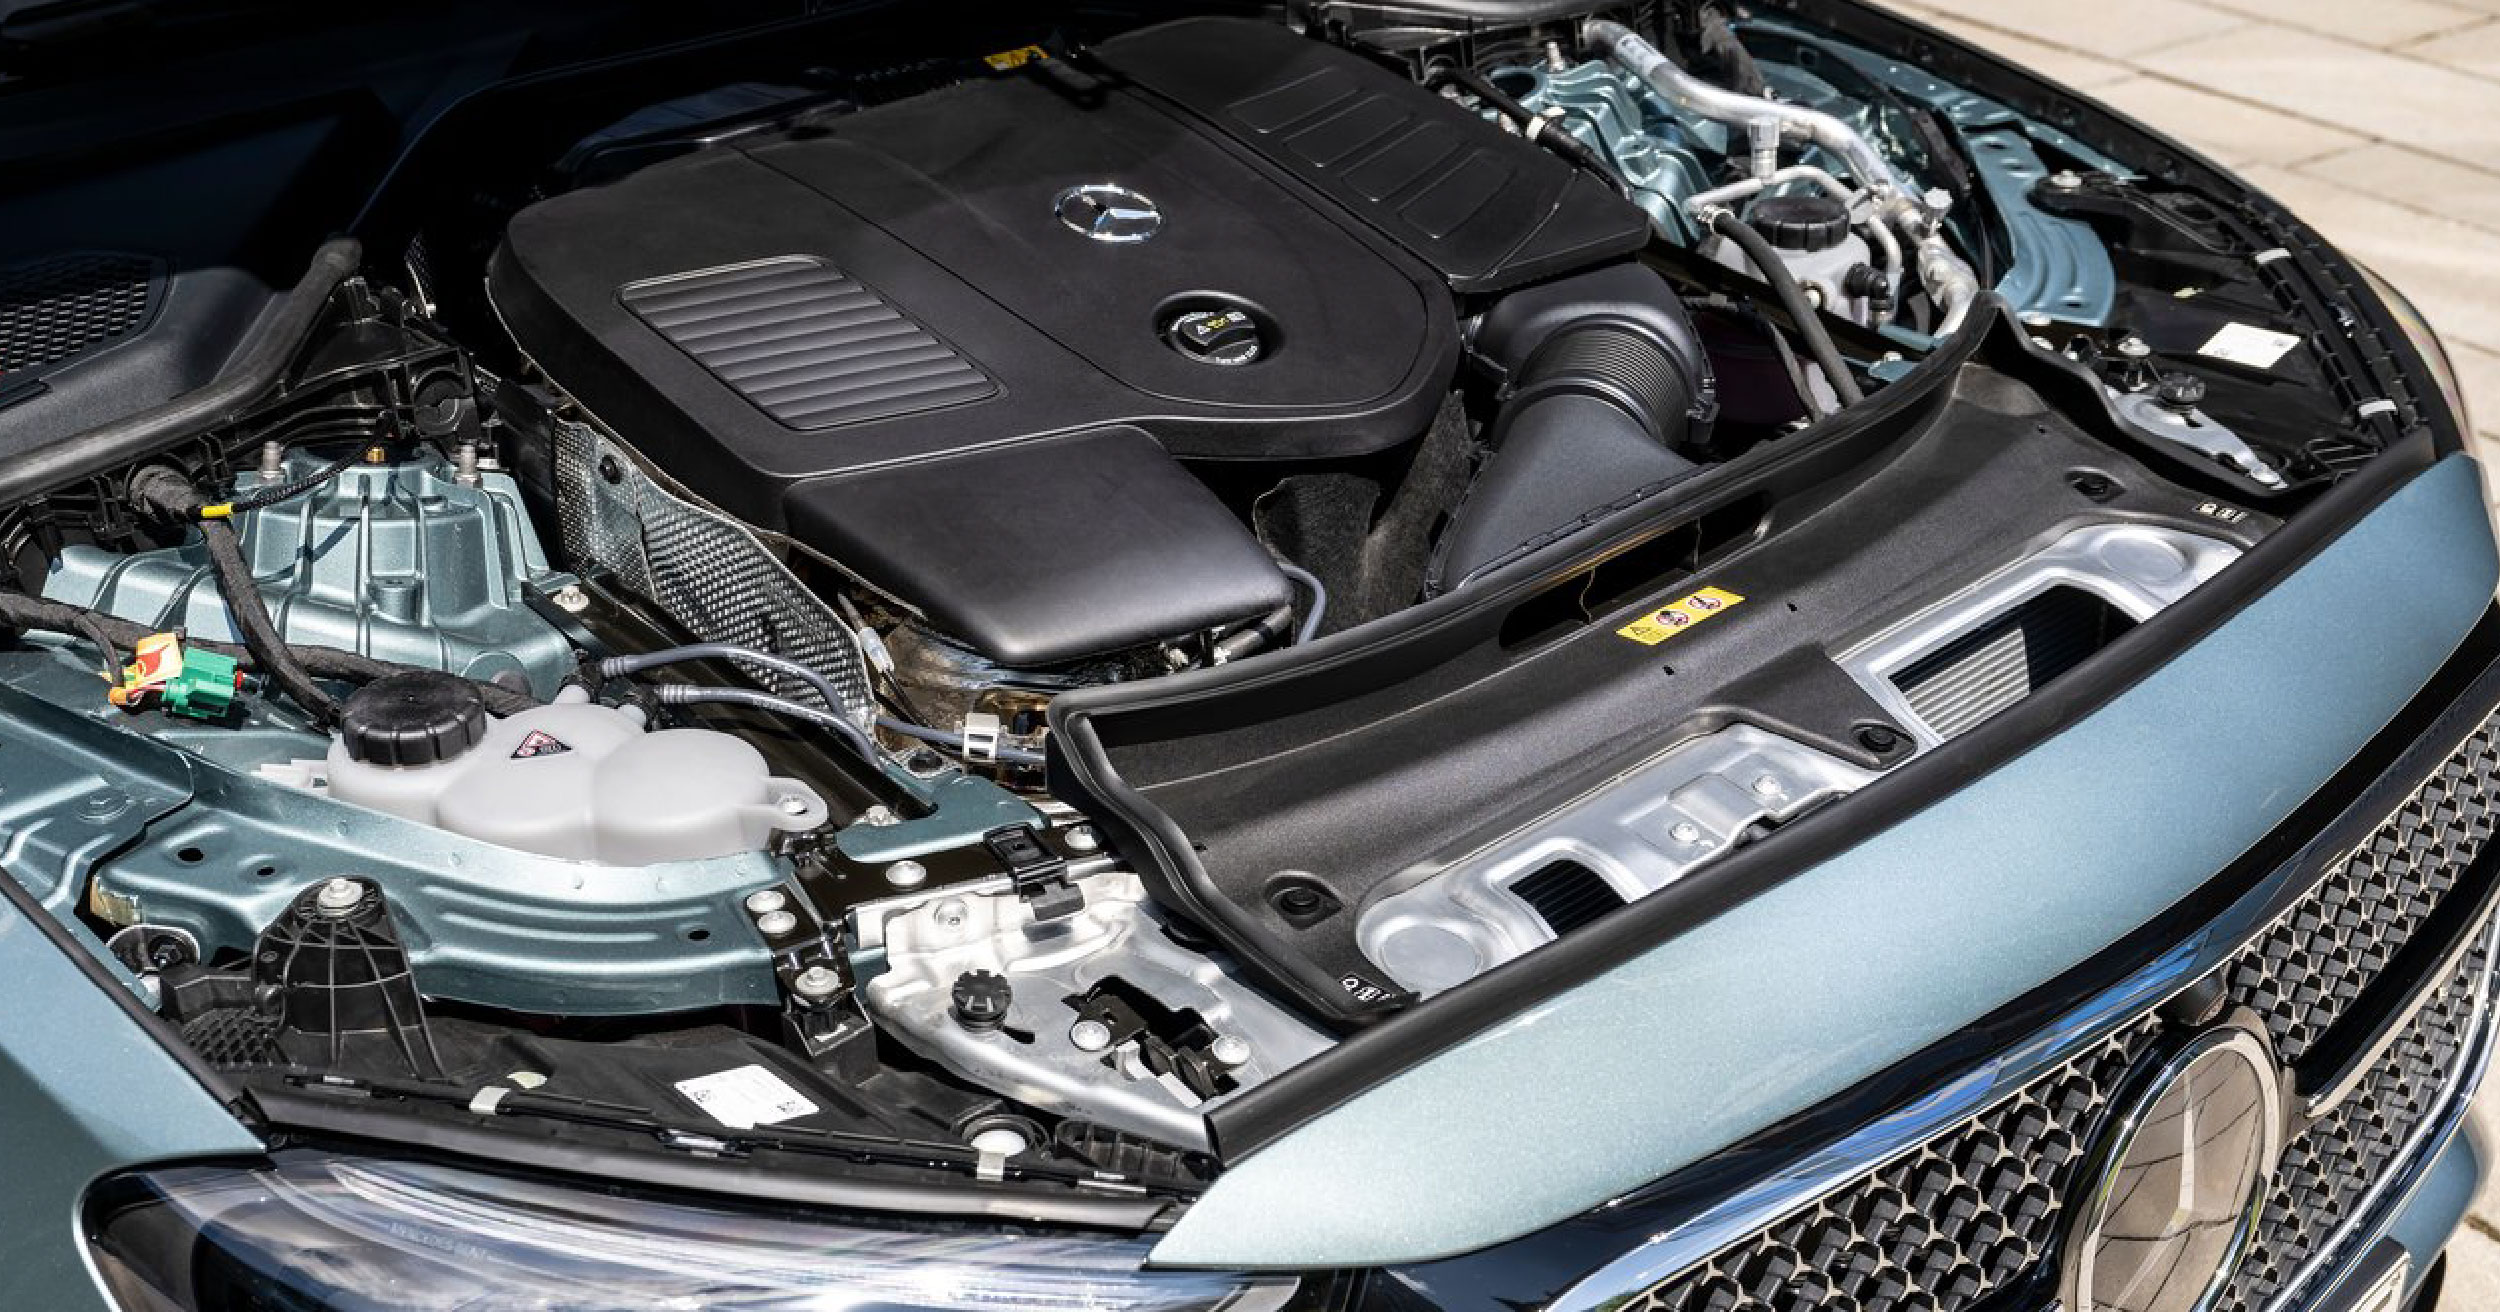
[575,779]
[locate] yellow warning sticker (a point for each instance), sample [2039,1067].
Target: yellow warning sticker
[1676,616]
[1016,58]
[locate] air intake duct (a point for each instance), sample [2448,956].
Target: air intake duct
[1605,379]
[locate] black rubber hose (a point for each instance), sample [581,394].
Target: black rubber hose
[1318,613]
[1809,321]
[1537,128]
[954,742]
[19,611]
[684,694]
[267,495]
[252,372]
[615,667]
[169,493]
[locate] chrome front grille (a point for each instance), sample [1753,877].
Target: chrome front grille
[2304,971]
[1976,1211]
[2328,1173]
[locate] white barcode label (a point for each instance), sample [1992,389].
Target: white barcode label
[2248,344]
[746,1097]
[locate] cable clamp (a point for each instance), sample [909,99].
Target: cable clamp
[982,731]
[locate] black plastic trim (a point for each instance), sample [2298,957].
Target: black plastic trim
[252,372]
[762,1178]
[1366,1058]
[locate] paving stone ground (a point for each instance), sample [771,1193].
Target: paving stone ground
[2378,121]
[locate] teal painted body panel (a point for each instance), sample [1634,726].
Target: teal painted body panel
[83,1092]
[1857,963]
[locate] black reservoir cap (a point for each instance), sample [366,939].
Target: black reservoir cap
[1808,221]
[418,717]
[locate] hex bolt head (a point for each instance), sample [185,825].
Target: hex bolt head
[1768,786]
[776,923]
[765,901]
[2065,179]
[816,983]
[339,895]
[1082,838]
[1685,831]
[907,874]
[1230,1049]
[1089,1035]
[794,805]
[571,599]
[2134,347]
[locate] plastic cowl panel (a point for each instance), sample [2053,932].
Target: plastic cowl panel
[1854,964]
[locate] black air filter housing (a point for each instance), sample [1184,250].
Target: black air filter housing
[785,323]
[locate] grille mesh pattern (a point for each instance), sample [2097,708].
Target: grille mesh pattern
[2327,1172]
[1935,1230]
[1974,1212]
[2303,973]
[704,569]
[54,309]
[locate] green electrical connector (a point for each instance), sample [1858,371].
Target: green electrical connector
[194,683]
[205,688]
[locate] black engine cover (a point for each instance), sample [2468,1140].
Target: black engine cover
[783,323]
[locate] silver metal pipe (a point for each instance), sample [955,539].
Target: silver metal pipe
[1949,280]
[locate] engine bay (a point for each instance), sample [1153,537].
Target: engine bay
[949,620]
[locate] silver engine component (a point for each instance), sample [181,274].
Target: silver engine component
[1045,1053]
[1890,198]
[1638,833]
[2168,412]
[2136,569]
[1659,822]
[582,782]
[413,562]
[706,570]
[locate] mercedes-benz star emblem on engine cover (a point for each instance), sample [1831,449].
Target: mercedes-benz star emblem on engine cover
[1106,211]
[2167,1207]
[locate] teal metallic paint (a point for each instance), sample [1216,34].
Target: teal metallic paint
[1862,961]
[84,1091]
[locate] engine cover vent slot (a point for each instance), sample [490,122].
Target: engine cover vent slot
[62,307]
[1567,895]
[2012,656]
[806,343]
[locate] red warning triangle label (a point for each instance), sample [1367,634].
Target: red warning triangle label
[540,743]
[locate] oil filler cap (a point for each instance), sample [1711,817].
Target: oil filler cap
[1224,335]
[419,717]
